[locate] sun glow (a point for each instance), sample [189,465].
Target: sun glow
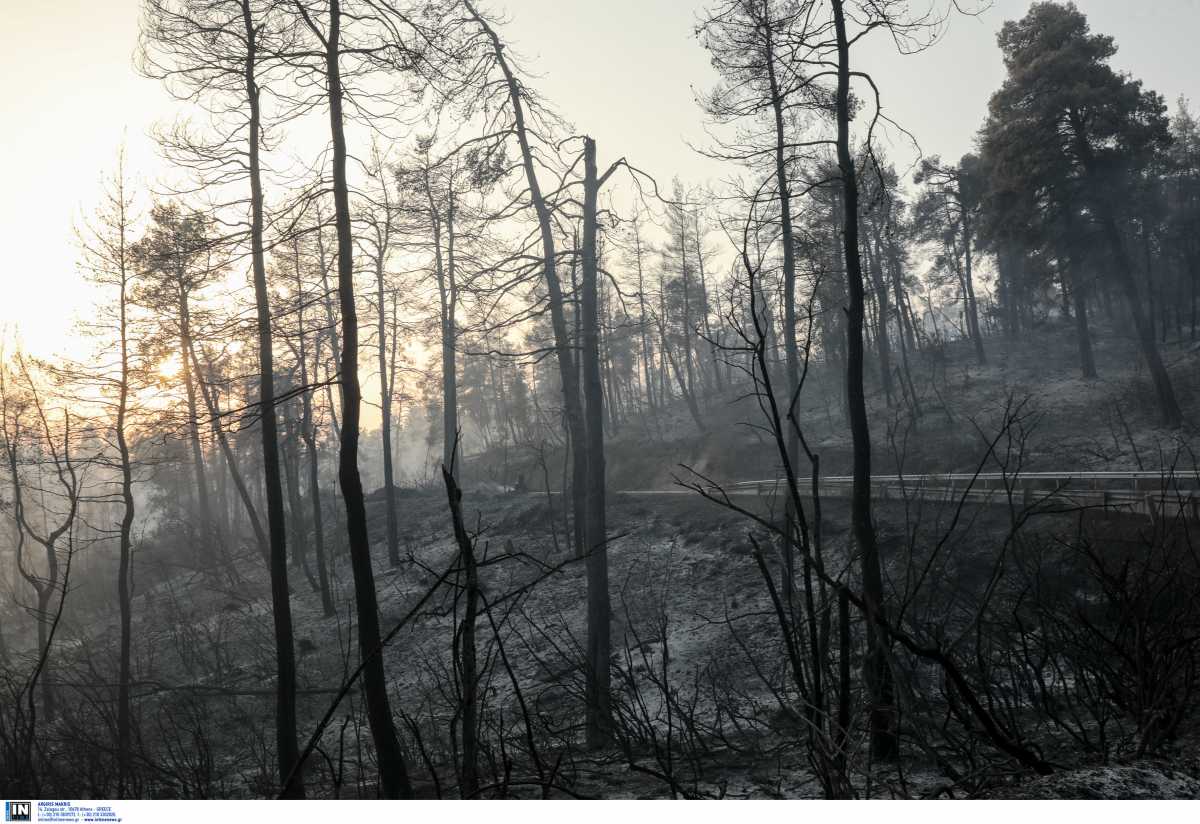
[169,367]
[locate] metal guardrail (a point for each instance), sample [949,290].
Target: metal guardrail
[1154,494]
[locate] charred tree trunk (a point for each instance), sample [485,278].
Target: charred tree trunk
[599,719]
[714,349]
[467,653]
[969,282]
[125,559]
[332,326]
[193,427]
[239,482]
[688,326]
[681,381]
[448,304]
[308,436]
[876,673]
[318,517]
[385,396]
[791,350]
[908,333]
[290,453]
[393,772]
[287,748]
[579,457]
[1168,405]
[568,371]
[1007,290]
[1087,360]
[647,357]
[883,340]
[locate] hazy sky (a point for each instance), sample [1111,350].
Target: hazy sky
[621,70]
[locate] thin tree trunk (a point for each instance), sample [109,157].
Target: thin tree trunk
[907,331]
[647,357]
[1087,360]
[49,704]
[331,326]
[599,718]
[239,482]
[877,675]
[1168,405]
[287,749]
[969,280]
[681,381]
[382,240]
[664,345]
[290,453]
[193,427]
[905,338]
[714,349]
[318,517]
[125,562]
[466,642]
[448,302]
[882,338]
[568,371]
[308,436]
[393,772]
[791,350]
[688,331]
[1194,277]
[1169,410]
[578,465]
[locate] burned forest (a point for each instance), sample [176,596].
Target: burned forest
[467,399]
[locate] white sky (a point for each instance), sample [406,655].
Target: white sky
[621,70]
